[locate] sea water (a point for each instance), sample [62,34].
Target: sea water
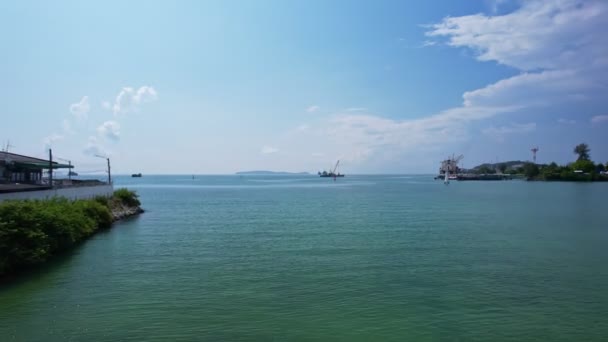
[220,258]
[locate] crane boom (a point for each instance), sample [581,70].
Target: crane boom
[336,167]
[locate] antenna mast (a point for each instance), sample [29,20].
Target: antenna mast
[7,146]
[534,150]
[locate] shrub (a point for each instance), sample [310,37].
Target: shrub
[33,231]
[103,200]
[127,197]
[98,212]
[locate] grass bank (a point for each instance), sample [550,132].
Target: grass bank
[33,231]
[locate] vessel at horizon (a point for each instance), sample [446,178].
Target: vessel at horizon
[332,173]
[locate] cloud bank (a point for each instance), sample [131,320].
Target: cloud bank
[129,99]
[110,130]
[599,119]
[558,48]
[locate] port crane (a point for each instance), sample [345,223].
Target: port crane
[335,169]
[332,172]
[450,165]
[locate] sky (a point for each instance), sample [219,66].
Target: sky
[215,87]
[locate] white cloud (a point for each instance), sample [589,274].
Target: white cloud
[566,121]
[539,35]
[67,127]
[269,150]
[599,119]
[93,147]
[129,99]
[313,109]
[499,133]
[110,130]
[81,109]
[531,89]
[51,139]
[106,105]
[429,43]
[145,94]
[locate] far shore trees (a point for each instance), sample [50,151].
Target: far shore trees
[581,170]
[502,167]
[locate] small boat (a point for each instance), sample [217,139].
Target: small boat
[136,175]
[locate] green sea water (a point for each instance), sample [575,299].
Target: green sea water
[364,258]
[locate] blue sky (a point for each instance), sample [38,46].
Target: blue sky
[386,86]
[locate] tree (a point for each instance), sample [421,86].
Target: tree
[586,166]
[531,170]
[583,151]
[550,170]
[502,167]
[600,167]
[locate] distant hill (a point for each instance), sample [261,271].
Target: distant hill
[271,173]
[510,164]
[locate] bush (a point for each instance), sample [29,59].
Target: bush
[103,200]
[127,197]
[98,212]
[33,231]
[586,166]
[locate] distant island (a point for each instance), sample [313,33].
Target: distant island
[271,173]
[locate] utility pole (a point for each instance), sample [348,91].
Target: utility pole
[51,167]
[109,170]
[109,173]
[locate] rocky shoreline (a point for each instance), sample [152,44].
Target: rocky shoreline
[121,211]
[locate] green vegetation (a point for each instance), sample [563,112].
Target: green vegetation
[127,197]
[32,231]
[531,170]
[581,170]
[502,167]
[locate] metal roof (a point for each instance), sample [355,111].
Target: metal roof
[20,158]
[29,162]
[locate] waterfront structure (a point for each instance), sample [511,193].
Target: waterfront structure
[23,177]
[20,169]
